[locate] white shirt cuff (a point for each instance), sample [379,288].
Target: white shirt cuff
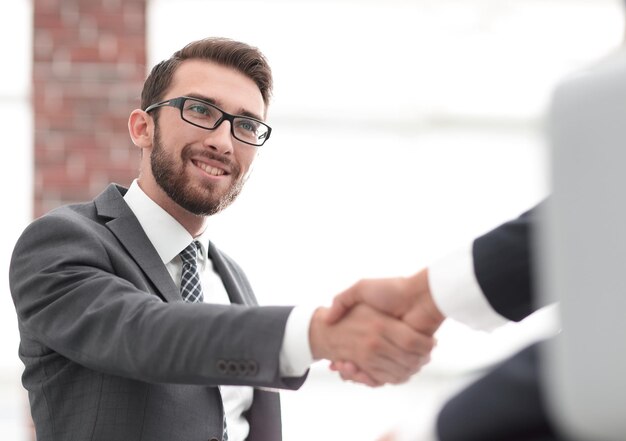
[457,294]
[295,354]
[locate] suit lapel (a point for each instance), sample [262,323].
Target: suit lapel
[237,288]
[125,226]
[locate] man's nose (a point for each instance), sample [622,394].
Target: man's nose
[220,138]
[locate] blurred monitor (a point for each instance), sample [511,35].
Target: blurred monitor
[582,243]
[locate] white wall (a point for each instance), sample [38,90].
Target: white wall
[16,181]
[17,173]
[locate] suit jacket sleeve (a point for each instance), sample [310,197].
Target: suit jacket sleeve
[80,294]
[504,269]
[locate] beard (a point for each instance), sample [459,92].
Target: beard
[169,174]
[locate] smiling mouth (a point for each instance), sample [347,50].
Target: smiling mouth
[213,171]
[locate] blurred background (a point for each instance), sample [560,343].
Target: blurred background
[402,129]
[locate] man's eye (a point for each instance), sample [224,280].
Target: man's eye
[199,109]
[248,125]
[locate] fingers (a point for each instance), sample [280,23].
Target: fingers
[415,346]
[381,349]
[341,305]
[390,365]
[383,327]
[392,296]
[362,378]
[386,350]
[346,368]
[348,371]
[407,350]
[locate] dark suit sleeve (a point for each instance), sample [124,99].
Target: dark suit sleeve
[505,404]
[503,267]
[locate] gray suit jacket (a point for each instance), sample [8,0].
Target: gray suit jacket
[112,353]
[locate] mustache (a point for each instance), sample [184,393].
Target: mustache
[188,151]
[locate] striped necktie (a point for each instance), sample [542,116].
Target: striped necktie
[190,287]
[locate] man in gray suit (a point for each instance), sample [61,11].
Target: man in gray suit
[133,325]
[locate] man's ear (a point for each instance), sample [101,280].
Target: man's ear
[141,128]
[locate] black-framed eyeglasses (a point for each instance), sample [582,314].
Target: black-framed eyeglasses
[206,115]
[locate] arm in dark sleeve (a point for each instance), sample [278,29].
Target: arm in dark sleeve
[503,266]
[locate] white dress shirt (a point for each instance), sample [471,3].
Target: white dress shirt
[457,294]
[169,238]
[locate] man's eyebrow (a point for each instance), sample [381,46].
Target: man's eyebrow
[244,112]
[241,112]
[205,98]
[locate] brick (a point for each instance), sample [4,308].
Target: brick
[89,61]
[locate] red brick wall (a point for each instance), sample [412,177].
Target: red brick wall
[89,61]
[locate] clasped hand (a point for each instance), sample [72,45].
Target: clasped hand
[378,331]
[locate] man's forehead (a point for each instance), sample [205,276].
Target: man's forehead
[224,85]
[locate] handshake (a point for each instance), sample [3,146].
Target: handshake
[378,331]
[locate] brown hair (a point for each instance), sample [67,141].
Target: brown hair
[244,58]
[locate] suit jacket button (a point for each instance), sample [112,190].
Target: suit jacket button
[214,439]
[253,368]
[232,368]
[222,367]
[242,368]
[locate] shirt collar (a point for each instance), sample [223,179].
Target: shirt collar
[164,232]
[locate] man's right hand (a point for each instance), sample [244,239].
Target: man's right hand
[382,348]
[405,298]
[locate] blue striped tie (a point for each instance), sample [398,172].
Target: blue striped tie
[190,287]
